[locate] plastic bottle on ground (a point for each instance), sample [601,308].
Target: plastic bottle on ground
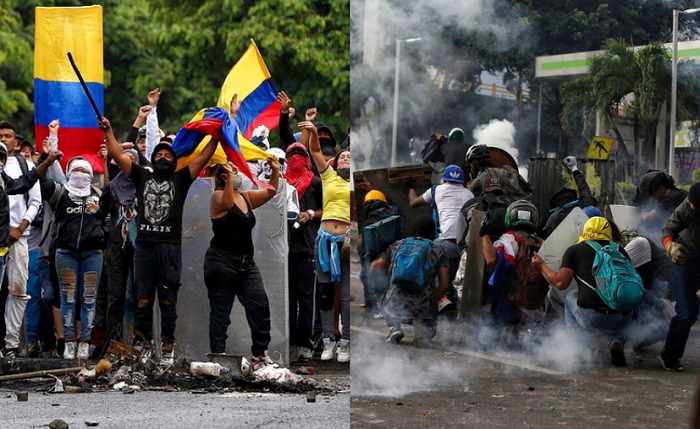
[208,368]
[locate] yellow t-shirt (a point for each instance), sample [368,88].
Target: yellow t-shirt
[336,196]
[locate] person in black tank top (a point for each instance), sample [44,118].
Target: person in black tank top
[229,268]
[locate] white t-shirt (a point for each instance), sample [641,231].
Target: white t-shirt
[449,198]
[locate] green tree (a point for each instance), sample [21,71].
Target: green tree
[639,81]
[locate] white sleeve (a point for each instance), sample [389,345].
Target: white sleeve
[53,140]
[292,200]
[152,132]
[55,171]
[428,196]
[508,243]
[34,203]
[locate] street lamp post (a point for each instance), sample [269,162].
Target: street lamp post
[674,87]
[394,130]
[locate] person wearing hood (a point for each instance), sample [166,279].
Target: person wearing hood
[681,238]
[331,241]
[160,200]
[120,201]
[584,309]
[454,150]
[325,137]
[564,200]
[79,242]
[302,270]
[658,197]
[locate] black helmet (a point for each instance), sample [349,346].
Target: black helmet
[479,155]
[522,213]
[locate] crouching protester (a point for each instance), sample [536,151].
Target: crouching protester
[519,290]
[681,238]
[610,296]
[80,240]
[413,265]
[229,267]
[161,196]
[332,242]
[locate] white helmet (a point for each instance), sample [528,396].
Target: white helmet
[281,156]
[279,153]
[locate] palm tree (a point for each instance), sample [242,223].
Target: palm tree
[638,80]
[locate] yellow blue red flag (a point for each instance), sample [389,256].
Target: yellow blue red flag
[251,80]
[57,90]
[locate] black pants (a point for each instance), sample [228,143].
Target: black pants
[302,272]
[227,276]
[157,268]
[102,300]
[120,261]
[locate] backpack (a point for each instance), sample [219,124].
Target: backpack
[431,150]
[527,288]
[622,288]
[514,186]
[410,263]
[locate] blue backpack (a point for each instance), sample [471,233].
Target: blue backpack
[622,289]
[410,263]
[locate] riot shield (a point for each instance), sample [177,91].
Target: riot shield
[552,251]
[473,292]
[271,248]
[626,216]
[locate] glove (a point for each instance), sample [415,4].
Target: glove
[411,183]
[485,228]
[676,252]
[571,163]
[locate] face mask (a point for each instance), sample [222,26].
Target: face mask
[164,168]
[325,141]
[344,173]
[79,181]
[237,181]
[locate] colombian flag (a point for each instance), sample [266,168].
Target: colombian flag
[251,80]
[57,90]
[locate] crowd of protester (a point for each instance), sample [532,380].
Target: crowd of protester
[87,251]
[636,287]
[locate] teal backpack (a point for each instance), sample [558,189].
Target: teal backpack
[619,284]
[410,263]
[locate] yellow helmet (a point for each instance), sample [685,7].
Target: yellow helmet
[374,195]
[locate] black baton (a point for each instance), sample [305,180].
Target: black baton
[85,88]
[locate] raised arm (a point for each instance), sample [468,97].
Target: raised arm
[55,171]
[223,201]
[114,148]
[261,196]
[286,113]
[310,133]
[152,128]
[198,164]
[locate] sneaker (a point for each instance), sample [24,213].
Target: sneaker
[306,353]
[344,351]
[617,351]
[69,350]
[60,347]
[83,350]
[263,360]
[669,363]
[329,346]
[378,315]
[167,355]
[9,353]
[444,304]
[146,350]
[34,349]
[395,336]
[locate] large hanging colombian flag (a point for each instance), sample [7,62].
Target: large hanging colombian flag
[57,90]
[251,80]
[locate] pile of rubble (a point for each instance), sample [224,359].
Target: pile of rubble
[125,368]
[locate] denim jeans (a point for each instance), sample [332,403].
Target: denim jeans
[453,257]
[685,282]
[33,290]
[580,320]
[326,296]
[78,276]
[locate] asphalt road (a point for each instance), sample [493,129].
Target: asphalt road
[557,384]
[156,410]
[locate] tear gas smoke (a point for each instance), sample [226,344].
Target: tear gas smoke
[500,134]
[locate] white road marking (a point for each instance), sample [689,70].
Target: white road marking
[478,355]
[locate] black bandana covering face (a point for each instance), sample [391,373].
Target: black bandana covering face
[164,168]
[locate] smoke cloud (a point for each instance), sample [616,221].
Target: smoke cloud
[500,134]
[438,74]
